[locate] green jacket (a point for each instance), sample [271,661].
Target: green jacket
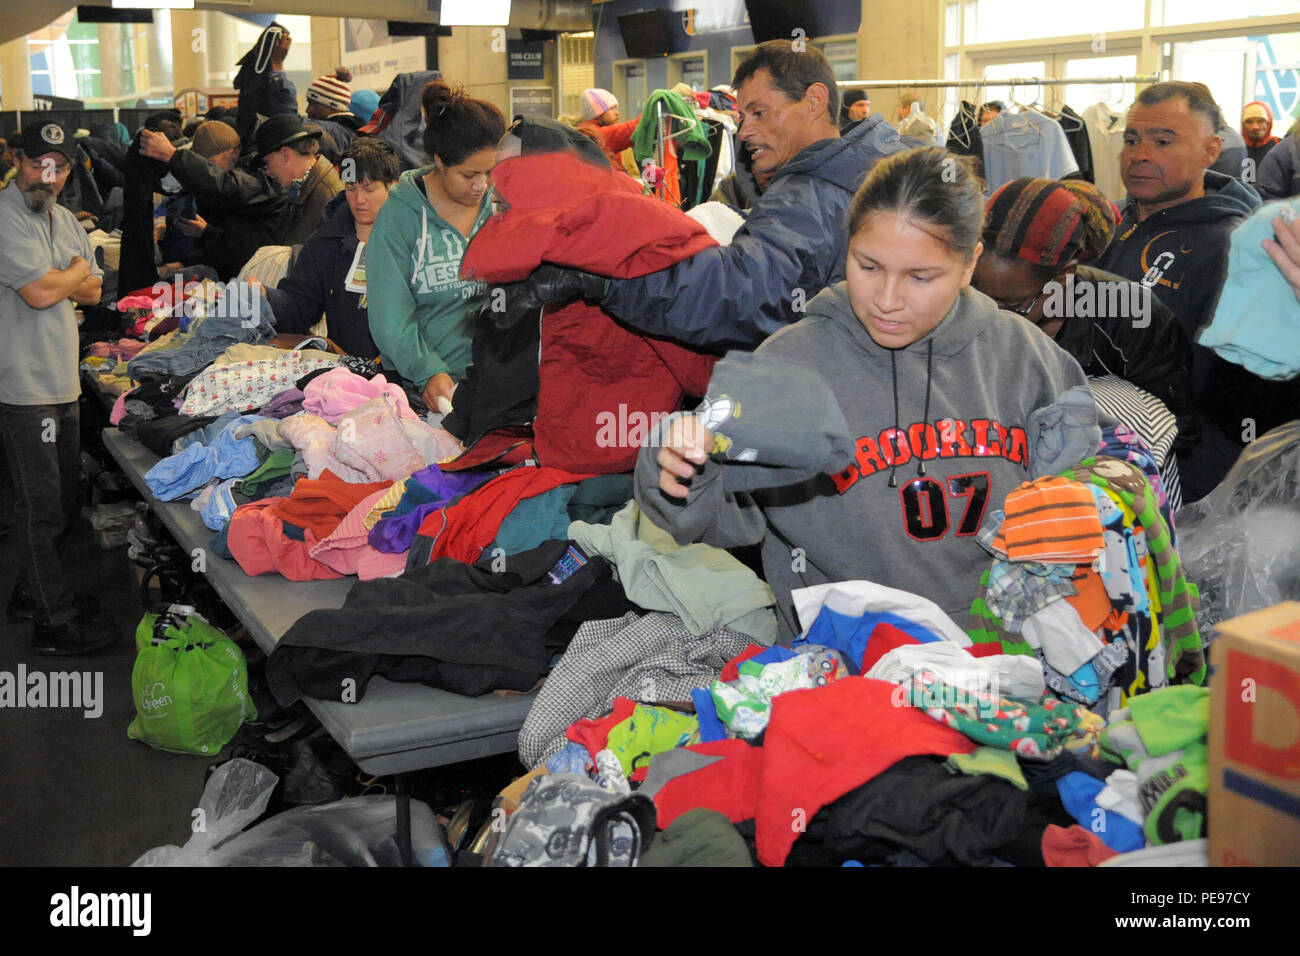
[421,312]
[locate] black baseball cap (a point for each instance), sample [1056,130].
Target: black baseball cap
[39,138]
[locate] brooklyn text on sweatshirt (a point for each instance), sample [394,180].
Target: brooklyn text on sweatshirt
[922,441]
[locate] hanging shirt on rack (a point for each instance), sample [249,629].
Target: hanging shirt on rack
[919,126]
[964,136]
[1024,144]
[1076,134]
[1106,137]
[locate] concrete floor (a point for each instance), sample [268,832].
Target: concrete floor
[76,791]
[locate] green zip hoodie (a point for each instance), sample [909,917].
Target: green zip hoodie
[421,311]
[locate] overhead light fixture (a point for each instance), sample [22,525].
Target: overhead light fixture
[153,4]
[475,13]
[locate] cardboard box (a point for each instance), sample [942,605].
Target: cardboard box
[1254,795]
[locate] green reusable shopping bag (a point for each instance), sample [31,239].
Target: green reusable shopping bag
[190,683]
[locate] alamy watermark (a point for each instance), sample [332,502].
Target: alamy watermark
[77,690]
[1101,299]
[77,909]
[931,691]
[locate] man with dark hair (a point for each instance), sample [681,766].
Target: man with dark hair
[1173,238]
[291,151]
[46,269]
[330,275]
[793,244]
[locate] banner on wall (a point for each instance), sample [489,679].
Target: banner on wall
[532,101]
[374,57]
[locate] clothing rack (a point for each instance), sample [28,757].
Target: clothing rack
[995,81]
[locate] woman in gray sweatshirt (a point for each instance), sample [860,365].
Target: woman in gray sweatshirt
[935,386]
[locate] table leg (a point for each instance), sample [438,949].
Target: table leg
[403,788]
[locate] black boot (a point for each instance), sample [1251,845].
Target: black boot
[81,635]
[22,606]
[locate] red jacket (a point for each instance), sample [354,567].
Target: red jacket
[600,383]
[613,139]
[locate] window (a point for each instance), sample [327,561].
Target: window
[1222,65]
[689,68]
[1277,80]
[1083,95]
[738,54]
[843,57]
[1019,93]
[1174,12]
[999,21]
[577,70]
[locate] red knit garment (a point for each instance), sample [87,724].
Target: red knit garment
[1073,847]
[463,530]
[820,743]
[320,504]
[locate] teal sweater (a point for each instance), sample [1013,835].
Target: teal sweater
[421,311]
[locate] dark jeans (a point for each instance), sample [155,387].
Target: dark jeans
[42,447]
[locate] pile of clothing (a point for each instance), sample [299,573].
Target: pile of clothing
[884,736]
[1086,577]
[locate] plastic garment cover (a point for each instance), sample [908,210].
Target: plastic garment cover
[1241,543]
[357,832]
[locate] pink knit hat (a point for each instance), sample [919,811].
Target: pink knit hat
[597,102]
[330,92]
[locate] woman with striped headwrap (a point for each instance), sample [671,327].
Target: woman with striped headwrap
[1038,233]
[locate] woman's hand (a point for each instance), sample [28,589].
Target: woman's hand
[686,444]
[440,386]
[1285,250]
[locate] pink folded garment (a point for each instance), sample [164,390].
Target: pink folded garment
[314,437]
[372,440]
[338,391]
[136,302]
[257,541]
[347,549]
[119,409]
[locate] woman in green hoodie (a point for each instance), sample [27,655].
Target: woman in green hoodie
[896,410]
[421,311]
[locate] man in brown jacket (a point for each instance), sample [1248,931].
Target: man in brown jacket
[290,149]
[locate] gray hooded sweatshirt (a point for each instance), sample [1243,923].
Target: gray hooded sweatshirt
[980,373]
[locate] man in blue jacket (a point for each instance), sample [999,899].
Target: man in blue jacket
[329,276]
[793,244]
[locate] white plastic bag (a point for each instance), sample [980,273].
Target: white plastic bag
[236,794]
[1241,543]
[357,832]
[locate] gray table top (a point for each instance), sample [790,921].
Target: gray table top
[394,727]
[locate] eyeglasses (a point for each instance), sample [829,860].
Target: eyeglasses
[1023,309]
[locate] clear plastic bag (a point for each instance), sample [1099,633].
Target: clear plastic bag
[1241,543]
[356,832]
[235,795]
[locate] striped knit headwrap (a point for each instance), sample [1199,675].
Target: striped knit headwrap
[1048,222]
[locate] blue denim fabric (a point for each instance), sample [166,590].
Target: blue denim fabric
[227,457]
[212,337]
